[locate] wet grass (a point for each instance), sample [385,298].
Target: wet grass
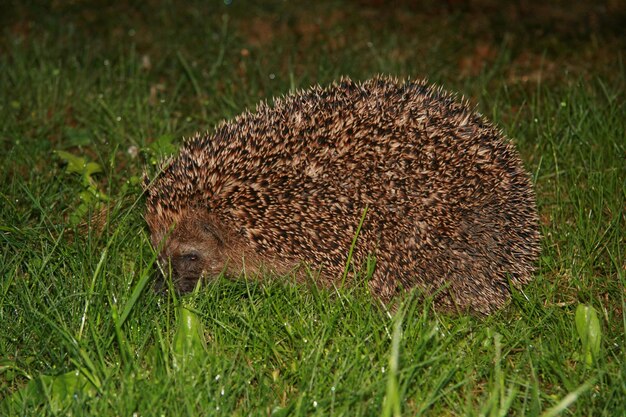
[119,86]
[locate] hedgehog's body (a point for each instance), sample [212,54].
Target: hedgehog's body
[450,207]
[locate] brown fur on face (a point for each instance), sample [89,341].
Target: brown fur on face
[195,247]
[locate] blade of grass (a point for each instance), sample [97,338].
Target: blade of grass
[352,246]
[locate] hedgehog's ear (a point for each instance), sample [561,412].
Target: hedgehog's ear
[213,227]
[215,232]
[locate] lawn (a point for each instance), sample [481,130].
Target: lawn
[93,94]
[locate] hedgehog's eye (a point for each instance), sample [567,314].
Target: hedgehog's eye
[192,256]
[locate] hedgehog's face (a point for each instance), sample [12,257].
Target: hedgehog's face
[195,248]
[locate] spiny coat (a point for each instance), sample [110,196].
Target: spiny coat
[450,208]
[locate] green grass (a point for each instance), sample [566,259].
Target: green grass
[117,85]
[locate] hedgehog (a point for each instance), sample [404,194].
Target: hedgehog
[438,195]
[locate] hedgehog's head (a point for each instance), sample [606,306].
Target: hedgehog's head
[191,244]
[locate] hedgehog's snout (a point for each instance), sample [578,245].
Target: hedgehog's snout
[194,248]
[185,269]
